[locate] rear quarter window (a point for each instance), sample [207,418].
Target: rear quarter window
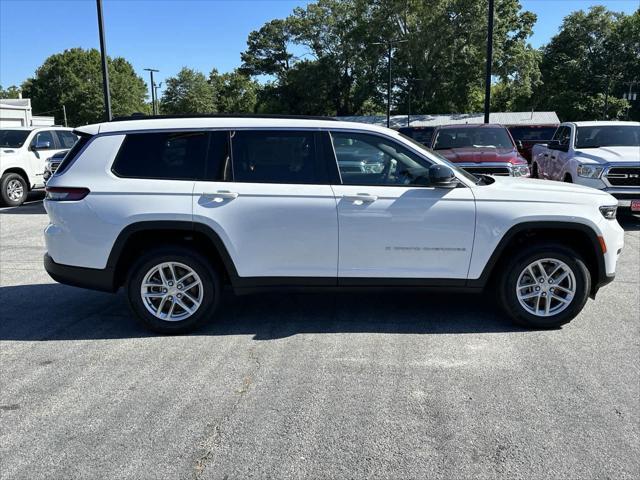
[164,155]
[72,154]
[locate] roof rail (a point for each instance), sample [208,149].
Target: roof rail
[142,116]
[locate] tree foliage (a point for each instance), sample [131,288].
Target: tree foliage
[11,92]
[74,78]
[188,92]
[585,67]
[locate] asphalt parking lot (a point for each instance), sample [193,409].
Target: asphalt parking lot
[311,386]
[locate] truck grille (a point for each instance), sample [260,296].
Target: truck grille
[54,166]
[624,176]
[503,171]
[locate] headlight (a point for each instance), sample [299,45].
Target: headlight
[609,211]
[589,171]
[520,170]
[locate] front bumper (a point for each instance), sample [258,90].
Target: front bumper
[624,195]
[91,278]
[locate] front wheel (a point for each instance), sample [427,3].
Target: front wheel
[545,286]
[13,190]
[173,290]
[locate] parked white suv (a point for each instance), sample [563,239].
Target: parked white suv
[172,209]
[23,153]
[603,155]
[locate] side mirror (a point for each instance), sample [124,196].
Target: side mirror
[519,145]
[441,176]
[41,145]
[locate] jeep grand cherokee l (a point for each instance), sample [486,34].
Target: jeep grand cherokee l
[172,209]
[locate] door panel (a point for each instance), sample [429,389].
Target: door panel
[272,230]
[405,232]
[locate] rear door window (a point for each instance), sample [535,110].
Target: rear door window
[163,155]
[282,156]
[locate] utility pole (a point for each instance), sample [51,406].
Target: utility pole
[487,86]
[409,85]
[157,101]
[389,44]
[629,97]
[105,71]
[605,113]
[64,113]
[153,90]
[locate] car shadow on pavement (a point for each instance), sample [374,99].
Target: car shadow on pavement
[50,312]
[628,221]
[34,207]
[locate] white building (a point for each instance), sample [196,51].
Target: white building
[17,113]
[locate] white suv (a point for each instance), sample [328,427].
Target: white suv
[174,208]
[23,153]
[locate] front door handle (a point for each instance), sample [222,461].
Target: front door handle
[221,195]
[361,198]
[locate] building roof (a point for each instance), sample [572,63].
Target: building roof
[504,118]
[605,123]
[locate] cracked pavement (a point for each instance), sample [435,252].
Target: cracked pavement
[383,385]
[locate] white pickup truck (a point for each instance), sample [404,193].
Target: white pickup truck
[23,153]
[603,155]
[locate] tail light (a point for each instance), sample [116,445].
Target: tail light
[66,194]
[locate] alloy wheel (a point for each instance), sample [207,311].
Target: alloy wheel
[172,291]
[15,190]
[546,287]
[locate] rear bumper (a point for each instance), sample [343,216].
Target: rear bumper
[91,278]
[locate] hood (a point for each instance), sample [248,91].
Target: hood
[544,191]
[481,155]
[609,155]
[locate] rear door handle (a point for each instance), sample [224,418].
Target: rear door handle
[222,195]
[361,198]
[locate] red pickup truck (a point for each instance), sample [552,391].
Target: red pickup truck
[480,148]
[526,136]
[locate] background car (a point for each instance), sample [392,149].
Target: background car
[419,134]
[52,164]
[526,136]
[482,149]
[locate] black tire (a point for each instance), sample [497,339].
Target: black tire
[534,171]
[507,285]
[210,286]
[568,179]
[9,180]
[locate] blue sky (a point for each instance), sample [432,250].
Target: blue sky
[169,34]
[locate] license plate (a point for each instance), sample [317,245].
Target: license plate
[635,205]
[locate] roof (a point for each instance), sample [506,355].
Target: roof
[472,125]
[38,127]
[605,122]
[223,122]
[504,118]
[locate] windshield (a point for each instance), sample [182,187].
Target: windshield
[13,138]
[608,136]
[464,173]
[466,137]
[421,134]
[532,133]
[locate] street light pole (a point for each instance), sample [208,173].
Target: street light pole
[389,44]
[487,86]
[103,55]
[153,90]
[158,86]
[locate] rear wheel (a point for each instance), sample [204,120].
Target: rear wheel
[13,190]
[173,290]
[545,286]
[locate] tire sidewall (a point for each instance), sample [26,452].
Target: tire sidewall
[208,276]
[509,297]
[4,183]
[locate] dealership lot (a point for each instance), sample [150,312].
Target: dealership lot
[343,385]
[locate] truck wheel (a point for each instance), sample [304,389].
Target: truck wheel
[13,190]
[545,286]
[534,171]
[568,179]
[173,290]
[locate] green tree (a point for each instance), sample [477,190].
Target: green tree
[234,92]
[188,92]
[341,62]
[11,92]
[74,78]
[585,66]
